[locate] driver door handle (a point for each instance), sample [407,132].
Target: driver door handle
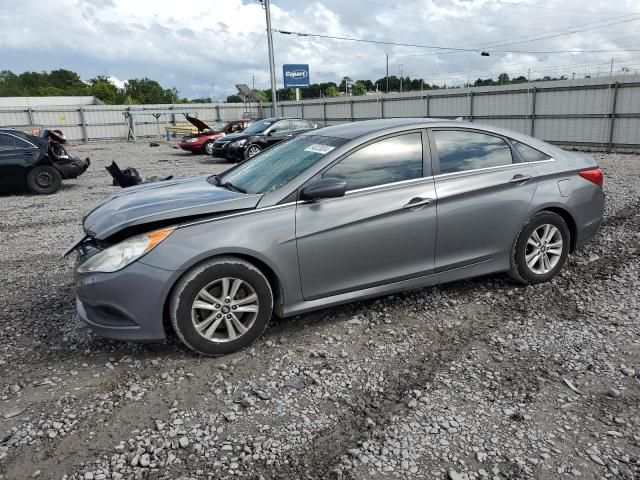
[520,178]
[417,202]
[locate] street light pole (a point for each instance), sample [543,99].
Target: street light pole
[272,67]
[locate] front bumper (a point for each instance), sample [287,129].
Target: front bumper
[191,147]
[225,150]
[125,305]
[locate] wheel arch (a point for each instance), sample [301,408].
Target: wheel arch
[569,220]
[265,269]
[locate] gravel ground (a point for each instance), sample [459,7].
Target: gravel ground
[471,380]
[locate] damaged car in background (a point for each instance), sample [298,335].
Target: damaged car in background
[38,164]
[333,215]
[202,142]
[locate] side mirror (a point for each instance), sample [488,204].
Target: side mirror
[269,133]
[324,188]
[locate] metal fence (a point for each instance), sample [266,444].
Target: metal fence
[103,122]
[600,113]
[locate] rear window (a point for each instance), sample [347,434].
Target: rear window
[530,154]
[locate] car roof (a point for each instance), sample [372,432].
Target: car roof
[357,129]
[353,130]
[273,119]
[12,131]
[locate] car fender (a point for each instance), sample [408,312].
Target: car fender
[266,235]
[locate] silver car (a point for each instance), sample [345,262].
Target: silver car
[338,214]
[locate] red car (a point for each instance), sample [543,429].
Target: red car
[202,142]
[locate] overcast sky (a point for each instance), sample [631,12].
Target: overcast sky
[204,47]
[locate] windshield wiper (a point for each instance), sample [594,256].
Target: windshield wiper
[233,187]
[215,179]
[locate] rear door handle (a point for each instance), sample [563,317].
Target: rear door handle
[520,178]
[417,202]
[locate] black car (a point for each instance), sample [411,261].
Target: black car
[260,135]
[37,163]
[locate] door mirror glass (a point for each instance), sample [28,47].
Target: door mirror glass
[324,188]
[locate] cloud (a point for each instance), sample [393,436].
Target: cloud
[207,46]
[116,81]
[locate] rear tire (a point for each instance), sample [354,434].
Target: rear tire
[541,249]
[221,306]
[44,180]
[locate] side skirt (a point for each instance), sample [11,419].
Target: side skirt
[485,267]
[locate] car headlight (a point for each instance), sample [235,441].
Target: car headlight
[122,254]
[192,140]
[239,143]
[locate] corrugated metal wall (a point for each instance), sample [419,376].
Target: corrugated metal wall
[590,113]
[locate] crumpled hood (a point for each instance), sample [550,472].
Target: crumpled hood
[172,199]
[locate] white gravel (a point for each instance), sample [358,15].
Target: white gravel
[471,380]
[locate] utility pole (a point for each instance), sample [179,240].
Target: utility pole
[387,77]
[611,70]
[401,77]
[272,67]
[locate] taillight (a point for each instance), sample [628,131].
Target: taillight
[594,175]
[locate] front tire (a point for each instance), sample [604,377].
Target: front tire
[541,249]
[252,150]
[221,306]
[207,148]
[44,180]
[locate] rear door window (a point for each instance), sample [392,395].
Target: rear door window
[7,142]
[300,125]
[20,143]
[461,150]
[281,126]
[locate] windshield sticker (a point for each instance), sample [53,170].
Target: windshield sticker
[319,148]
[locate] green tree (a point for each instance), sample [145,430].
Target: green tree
[358,88]
[104,90]
[331,91]
[503,79]
[145,90]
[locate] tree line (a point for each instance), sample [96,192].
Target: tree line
[147,91]
[392,84]
[65,82]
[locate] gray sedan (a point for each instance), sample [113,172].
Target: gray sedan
[335,215]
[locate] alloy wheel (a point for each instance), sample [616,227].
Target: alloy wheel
[225,309]
[208,148]
[544,249]
[252,151]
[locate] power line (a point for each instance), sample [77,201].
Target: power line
[608,40]
[450,49]
[567,33]
[531,5]
[498,41]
